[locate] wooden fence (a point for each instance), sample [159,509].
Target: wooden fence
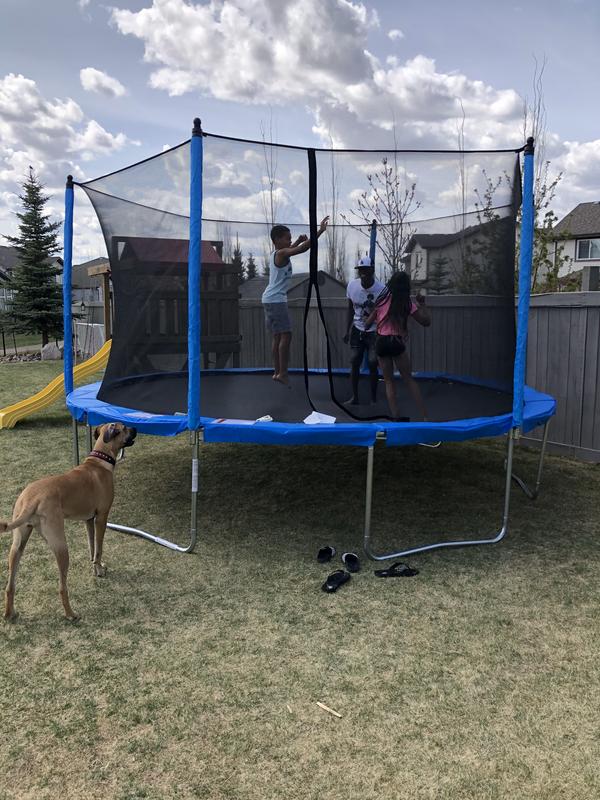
[563,359]
[563,351]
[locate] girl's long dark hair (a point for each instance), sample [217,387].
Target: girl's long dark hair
[398,287]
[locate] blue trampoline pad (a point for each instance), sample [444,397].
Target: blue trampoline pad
[233,400]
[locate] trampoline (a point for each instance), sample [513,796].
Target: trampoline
[178,306]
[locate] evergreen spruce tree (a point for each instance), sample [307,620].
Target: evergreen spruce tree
[251,270]
[439,280]
[37,304]
[237,260]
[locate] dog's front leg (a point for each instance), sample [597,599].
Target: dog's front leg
[100,529]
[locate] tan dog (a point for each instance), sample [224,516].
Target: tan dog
[85,492]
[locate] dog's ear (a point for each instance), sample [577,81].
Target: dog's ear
[97,432]
[110,433]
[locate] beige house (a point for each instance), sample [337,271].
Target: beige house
[579,235]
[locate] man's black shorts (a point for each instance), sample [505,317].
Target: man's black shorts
[362,339]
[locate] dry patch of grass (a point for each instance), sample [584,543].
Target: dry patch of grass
[198,676]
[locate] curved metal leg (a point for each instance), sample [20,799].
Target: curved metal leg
[459,543]
[149,537]
[533,493]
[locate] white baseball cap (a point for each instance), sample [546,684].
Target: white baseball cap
[365,263]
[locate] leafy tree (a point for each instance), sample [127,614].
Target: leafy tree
[251,270]
[548,256]
[37,303]
[483,247]
[237,260]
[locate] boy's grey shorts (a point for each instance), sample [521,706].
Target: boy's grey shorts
[277,317]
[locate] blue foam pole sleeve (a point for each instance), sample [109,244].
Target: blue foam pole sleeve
[67,271]
[194,277]
[525,261]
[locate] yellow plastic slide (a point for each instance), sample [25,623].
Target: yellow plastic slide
[10,415]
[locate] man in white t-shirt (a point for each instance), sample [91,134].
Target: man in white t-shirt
[362,292]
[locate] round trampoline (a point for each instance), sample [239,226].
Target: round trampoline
[190,351]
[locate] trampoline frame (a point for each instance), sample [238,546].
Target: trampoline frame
[196,436]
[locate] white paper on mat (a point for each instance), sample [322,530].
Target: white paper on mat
[316,418]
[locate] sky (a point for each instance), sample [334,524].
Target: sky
[87,88]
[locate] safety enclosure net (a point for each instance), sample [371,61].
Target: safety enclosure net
[445,219]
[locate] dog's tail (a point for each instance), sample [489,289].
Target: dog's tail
[16,523]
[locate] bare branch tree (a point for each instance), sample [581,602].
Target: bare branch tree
[390,199]
[335,235]
[548,257]
[268,193]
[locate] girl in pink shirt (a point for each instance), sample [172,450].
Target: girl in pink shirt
[393,308]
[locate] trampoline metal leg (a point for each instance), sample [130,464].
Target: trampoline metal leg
[533,493]
[459,543]
[75,432]
[149,537]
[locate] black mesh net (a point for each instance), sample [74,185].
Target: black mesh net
[445,220]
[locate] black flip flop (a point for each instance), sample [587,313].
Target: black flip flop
[397,570]
[351,561]
[335,580]
[325,554]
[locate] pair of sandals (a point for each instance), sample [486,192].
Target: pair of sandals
[340,576]
[399,569]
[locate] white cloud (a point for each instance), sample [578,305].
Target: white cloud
[93,80]
[53,136]
[395,34]
[252,51]
[580,165]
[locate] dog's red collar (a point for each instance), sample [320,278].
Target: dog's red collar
[103,457]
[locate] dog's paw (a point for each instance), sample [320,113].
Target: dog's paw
[12,617]
[99,569]
[73,617]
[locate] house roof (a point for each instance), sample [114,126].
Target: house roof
[79,274]
[430,241]
[583,220]
[253,289]
[174,250]
[9,257]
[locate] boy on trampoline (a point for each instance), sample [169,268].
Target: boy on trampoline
[274,297]
[393,308]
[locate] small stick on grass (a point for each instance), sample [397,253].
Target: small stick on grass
[329,710]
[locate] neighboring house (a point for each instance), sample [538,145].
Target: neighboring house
[86,288]
[251,291]
[8,260]
[579,235]
[462,262]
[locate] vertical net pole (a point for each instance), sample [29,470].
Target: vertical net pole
[373,242]
[194,277]
[525,261]
[67,272]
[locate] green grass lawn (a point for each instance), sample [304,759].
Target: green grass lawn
[198,676]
